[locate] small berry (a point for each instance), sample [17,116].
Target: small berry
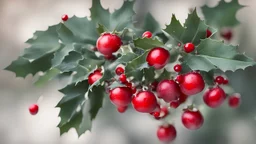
[234,100]
[182,98]
[179,44]
[33,109]
[179,79]
[123,78]
[225,81]
[121,109]
[164,112]
[192,120]
[175,104]
[227,34]
[134,90]
[119,70]
[158,57]
[192,83]
[128,84]
[64,17]
[214,97]
[168,90]
[208,33]
[177,68]
[219,80]
[95,76]
[156,114]
[189,47]
[147,34]
[166,133]
[121,96]
[153,85]
[108,43]
[144,102]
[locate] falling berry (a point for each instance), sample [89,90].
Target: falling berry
[192,120]
[214,97]
[234,100]
[182,98]
[93,77]
[147,34]
[208,33]
[219,80]
[168,90]
[227,34]
[33,109]
[158,57]
[122,109]
[189,47]
[119,70]
[123,78]
[144,102]
[166,133]
[192,83]
[108,43]
[121,96]
[225,81]
[177,68]
[64,17]
[175,104]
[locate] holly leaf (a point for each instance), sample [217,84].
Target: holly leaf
[117,20]
[49,75]
[70,62]
[193,30]
[150,24]
[22,66]
[149,74]
[116,84]
[146,43]
[164,75]
[223,15]
[214,54]
[208,77]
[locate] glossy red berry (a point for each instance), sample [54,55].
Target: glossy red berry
[168,90]
[123,78]
[134,90]
[119,70]
[214,97]
[189,47]
[128,84]
[166,133]
[234,100]
[192,83]
[93,77]
[144,101]
[192,120]
[108,43]
[182,98]
[153,85]
[208,33]
[64,17]
[33,109]
[227,34]
[122,109]
[147,34]
[219,80]
[225,81]
[121,96]
[175,104]
[177,68]
[179,79]
[158,57]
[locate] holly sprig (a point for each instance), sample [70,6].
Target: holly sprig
[69,48]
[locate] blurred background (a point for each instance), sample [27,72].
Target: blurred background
[19,19]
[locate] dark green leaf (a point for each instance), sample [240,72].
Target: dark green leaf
[115,84]
[164,75]
[146,43]
[136,65]
[208,77]
[150,24]
[49,75]
[149,74]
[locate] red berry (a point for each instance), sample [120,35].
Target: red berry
[119,70]
[93,77]
[121,109]
[123,78]
[182,98]
[192,83]
[189,47]
[234,100]
[144,101]
[208,33]
[108,43]
[158,57]
[225,81]
[147,34]
[164,112]
[166,133]
[33,109]
[153,85]
[134,90]
[192,120]
[179,44]
[177,68]
[128,84]
[121,96]
[175,104]
[214,97]
[179,79]
[227,34]
[109,57]
[64,17]
[219,80]
[168,90]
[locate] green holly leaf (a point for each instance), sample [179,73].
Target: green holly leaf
[214,54]
[49,75]
[70,62]
[223,15]
[116,84]
[149,74]
[208,77]
[22,66]
[164,75]
[147,44]
[193,30]
[117,20]
[150,24]
[101,29]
